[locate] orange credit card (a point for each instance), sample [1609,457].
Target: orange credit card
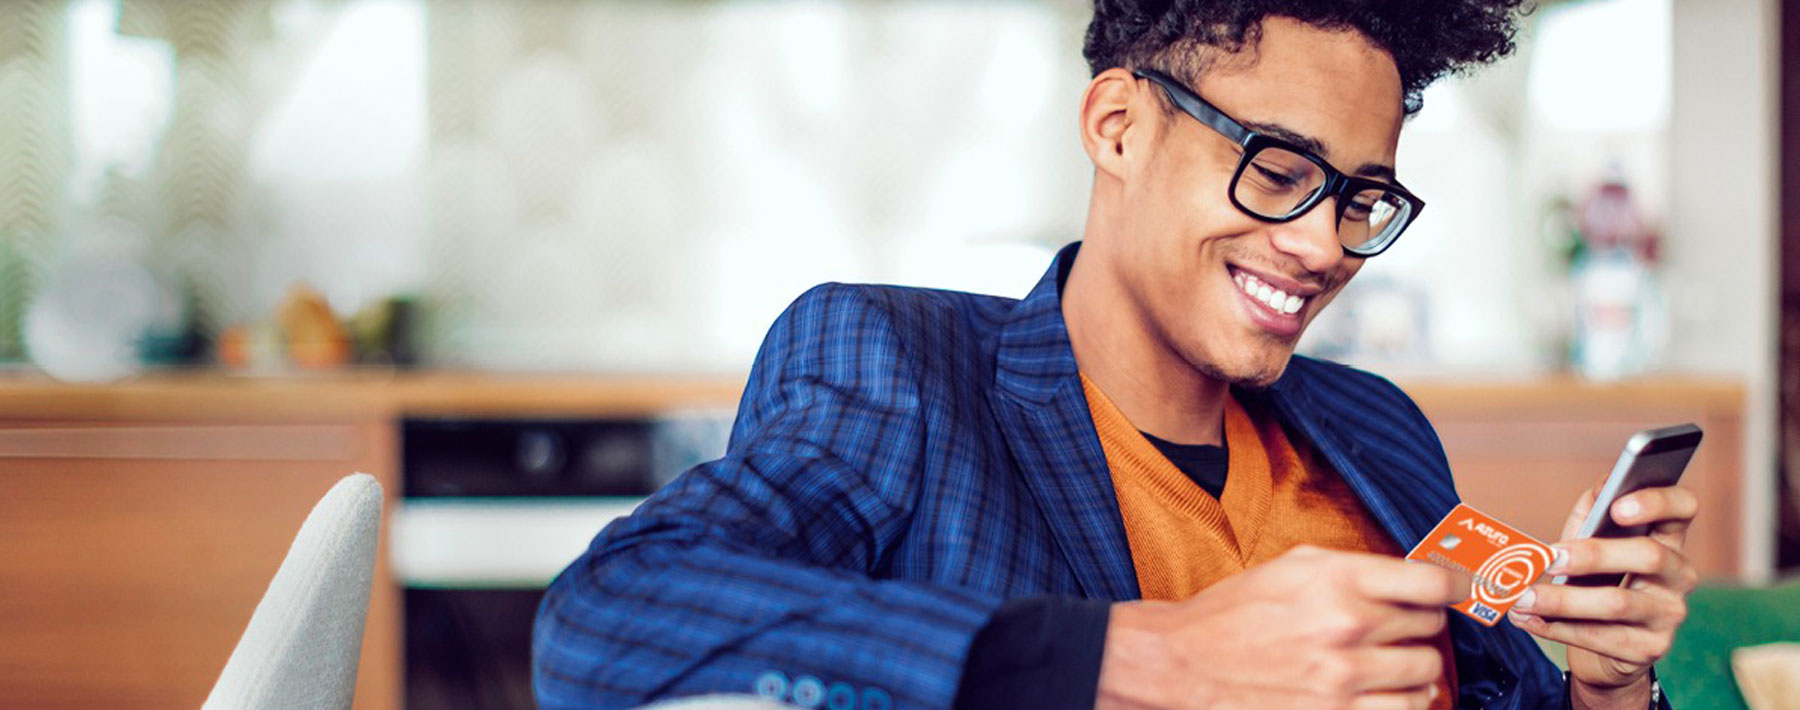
[1503,561]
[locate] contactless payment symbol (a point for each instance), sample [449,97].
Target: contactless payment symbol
[1502,561]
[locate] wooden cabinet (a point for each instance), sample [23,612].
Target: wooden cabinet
[135,553]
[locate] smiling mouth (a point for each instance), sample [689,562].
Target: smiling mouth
[1274,299]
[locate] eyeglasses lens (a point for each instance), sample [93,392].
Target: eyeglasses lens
[1275,183]
[1371,217]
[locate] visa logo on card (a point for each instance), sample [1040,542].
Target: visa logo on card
[1502,560]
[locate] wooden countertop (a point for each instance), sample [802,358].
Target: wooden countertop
[361,394]
[1709,393]
[212,396]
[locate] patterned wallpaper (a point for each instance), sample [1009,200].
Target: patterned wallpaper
[34,147]
[647,184]
[643,185]
[195,205]
[186,216]
[610,184]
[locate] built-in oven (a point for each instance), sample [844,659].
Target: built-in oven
[491,511]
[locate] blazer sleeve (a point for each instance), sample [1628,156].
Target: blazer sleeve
[752,573]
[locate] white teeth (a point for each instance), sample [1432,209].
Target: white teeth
[1276,299]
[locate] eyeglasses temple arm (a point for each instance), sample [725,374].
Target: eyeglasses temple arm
[1197,107]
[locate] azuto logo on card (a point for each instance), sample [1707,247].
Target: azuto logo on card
[1502,562]
[1485,530]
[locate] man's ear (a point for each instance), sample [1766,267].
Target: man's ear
[1106,116]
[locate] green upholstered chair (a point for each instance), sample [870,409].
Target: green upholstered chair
[1696,675]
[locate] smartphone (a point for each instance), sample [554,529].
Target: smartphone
[1653,457]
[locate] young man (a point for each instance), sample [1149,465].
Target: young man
[1123,490]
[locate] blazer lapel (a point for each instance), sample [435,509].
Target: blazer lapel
[1386,451]
[1404,487]
[1040,407]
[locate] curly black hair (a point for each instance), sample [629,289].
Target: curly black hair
[1427,38]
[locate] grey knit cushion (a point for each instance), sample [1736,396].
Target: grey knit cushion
[302,645]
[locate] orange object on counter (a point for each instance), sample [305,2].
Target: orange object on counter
[315,338]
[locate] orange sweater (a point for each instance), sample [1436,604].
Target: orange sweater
[1276,497]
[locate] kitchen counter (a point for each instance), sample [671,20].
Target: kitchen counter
[361,393]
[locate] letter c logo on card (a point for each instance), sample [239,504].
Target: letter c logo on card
[1509,570]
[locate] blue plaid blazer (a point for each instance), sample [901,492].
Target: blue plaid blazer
[903,461]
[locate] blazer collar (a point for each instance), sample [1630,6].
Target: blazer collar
[1403,485]
[1040,407]
[1034,359]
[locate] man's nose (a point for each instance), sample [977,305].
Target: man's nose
[1312,239]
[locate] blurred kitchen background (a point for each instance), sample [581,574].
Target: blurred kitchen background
[515,257]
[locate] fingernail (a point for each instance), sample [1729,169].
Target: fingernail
[1558,562]
[1628,508]
[1526,600]
[1520,618]
[1434,691]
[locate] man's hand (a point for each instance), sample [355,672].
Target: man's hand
[1311,629]
[1615,633]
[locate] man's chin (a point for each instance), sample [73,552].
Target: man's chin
[1260,380]
[1252,373]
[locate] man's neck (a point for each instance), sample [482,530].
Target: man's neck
[1158,391]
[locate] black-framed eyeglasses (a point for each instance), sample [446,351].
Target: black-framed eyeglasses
[1277,181]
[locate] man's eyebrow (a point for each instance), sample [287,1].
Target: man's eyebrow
[1272,130]
[1290,135]
[1377,171]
